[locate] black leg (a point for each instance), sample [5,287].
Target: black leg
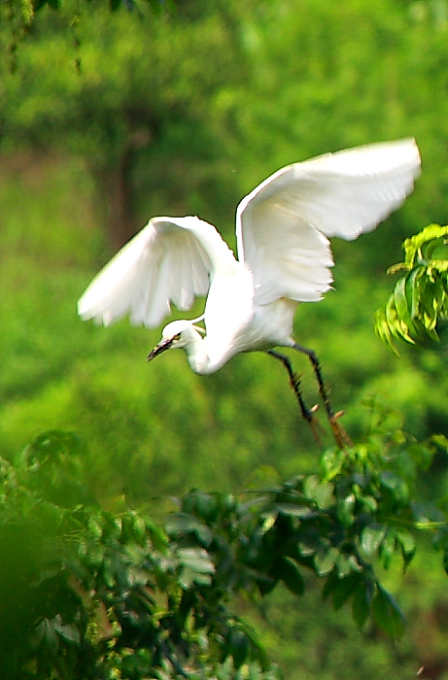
[294,380]
[318,373]
[339,433]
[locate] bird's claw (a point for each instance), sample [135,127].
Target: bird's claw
[341,437]
[316,427]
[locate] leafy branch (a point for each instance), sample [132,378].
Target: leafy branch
[417,310]
[111,594]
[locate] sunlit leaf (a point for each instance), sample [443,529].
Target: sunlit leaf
[182,524]
[346,509]
[291,510]
[197,559]
[324,561]
[441,441]
[320,492]
[347,564]
[371,538]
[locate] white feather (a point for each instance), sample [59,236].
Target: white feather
[164,262]
[282,223]
[282,230]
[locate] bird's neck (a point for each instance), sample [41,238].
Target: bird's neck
[197,354]
[202,360]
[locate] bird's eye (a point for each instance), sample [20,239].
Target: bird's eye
[176,337]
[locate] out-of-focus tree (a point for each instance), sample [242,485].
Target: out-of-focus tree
[191,108]
[148,86]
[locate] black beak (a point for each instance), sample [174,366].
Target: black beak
[161,347]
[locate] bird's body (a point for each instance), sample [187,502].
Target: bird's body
[284,255]
[257,327]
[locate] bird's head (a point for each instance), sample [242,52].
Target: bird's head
[177,335]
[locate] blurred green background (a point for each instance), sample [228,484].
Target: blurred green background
[107,119]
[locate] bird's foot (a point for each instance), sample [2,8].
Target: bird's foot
[308,414]
[341,437]
[316,427]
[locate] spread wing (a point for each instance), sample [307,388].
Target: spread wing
[170,260]
[283,225]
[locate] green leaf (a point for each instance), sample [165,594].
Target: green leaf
[95,555]
[387,614]
[407,544]
[331,462]
[362,598]
[265,584]
[197,559]
[324,561]
[344,589]
[387,548]
[371,538]
[440,440]
[369,502]
[413,283]
[190,577]
[290,575]
[383,331]
[347,564]
[180,524]
[396,485]
[95,525]
[420,241]
[319,492]
[238,647]
[403,302]
[307,549]
[292,510]
[346,509]
[69,632]
[196,567]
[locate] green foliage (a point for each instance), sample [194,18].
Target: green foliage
[20,16]
[192,110]
[189,110]
[111,594]
[93,593]
[418,308]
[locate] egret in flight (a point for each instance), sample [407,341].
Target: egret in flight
[284,258]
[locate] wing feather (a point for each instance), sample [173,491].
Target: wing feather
[283,225]
[170,260]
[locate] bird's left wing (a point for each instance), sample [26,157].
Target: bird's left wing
[171,259]
[283,224]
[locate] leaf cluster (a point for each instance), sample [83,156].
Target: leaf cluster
[418,306]
[95,593]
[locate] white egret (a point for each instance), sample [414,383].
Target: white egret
[284,258]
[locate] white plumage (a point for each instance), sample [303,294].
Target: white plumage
[282,230]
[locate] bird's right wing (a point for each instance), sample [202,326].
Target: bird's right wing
[283,224]
[170,260]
